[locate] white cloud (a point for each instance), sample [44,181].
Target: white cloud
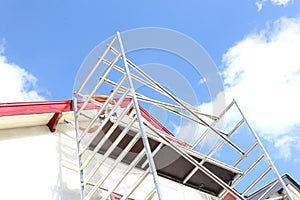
[16,84]
[281,2]
[261,3]
[284,145]
[263,73]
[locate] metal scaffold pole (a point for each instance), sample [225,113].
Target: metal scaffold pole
[139,117]
[266,154]
[78,147]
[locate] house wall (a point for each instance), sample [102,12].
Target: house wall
[294,192]
[38,164]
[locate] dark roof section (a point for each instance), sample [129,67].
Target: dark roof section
[287,180]
[169,163]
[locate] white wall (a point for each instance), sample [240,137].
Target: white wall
[38,164]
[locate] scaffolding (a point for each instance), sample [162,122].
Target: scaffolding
[125,152]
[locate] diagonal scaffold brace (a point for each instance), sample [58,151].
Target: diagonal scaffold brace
[140,121]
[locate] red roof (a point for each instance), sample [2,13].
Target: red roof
[34,107]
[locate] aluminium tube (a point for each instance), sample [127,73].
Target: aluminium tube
[139,117]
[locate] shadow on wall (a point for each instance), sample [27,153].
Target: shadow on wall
[61,191]
[68,183]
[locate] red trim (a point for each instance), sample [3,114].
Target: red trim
[229,196]
[40,107]
[35,107]
[52,124]
[159,126]
[154,122]
[147,116]
[115,197]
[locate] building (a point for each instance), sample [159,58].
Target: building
[277,192]
[40,160]
[39,151]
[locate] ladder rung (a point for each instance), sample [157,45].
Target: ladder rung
[113,146]
[96,65]
[245,155]
[268,190]
[107,118]
[257,180]
[124,174]
[248,169]
[136,184]
[117,161]
[106,136]
[102,109]
[151,194]
[95,89]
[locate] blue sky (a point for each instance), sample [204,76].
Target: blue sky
[253,43]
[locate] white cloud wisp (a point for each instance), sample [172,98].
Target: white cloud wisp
[259,4]
[16,84]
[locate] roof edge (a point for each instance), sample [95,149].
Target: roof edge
[35,107]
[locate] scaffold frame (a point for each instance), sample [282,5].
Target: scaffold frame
[96,149]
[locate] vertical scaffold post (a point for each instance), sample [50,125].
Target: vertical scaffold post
[78,146]
[139,117]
